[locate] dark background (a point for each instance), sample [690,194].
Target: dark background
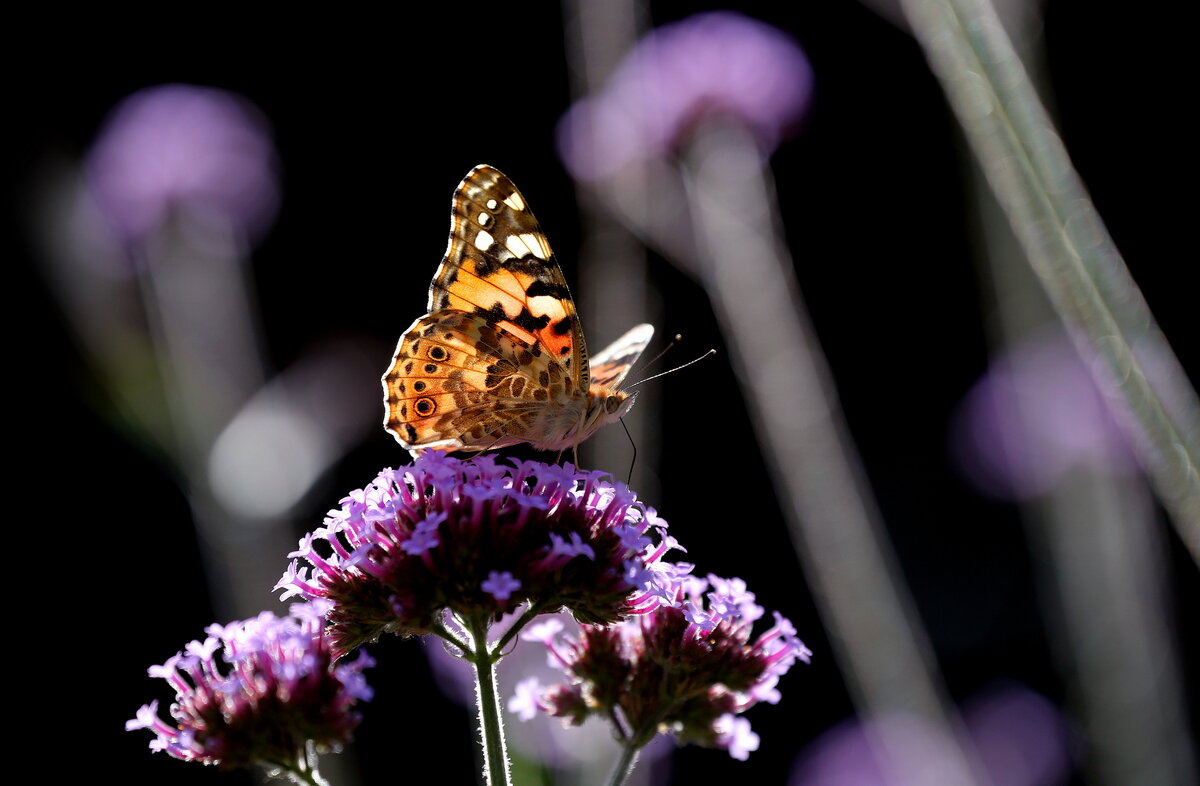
[376,119]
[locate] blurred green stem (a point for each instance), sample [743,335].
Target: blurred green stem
[835,524]
[624,765]
[1066,242]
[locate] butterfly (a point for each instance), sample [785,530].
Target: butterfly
[500,357]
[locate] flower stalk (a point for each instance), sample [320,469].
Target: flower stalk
[1067,244]
[624,765]
[491,727]
[303,770]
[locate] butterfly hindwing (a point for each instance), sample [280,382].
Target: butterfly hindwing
[457,382]
[611,364]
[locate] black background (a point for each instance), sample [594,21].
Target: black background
[376,119]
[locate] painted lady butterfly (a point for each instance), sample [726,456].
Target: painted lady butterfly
[500,357]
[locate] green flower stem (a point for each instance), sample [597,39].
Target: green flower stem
[1066,242]
[625,764]
[491,729]
[515,628]
[440,630]
[309,777]
[302,771]
[832,515]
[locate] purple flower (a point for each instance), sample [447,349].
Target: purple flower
[1034,416]
[174,145]
[525,701]
[273,694]
[477,537]
[689,666]
[708,64]
[500,585]
[1017,736]
[735,736]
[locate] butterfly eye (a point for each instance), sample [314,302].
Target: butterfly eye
[612,404]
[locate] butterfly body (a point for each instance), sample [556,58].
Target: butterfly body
[500,357]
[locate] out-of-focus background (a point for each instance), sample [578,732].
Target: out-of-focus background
[204,380]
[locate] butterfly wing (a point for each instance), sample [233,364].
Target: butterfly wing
[499,263]
[501,338]
[610,365]
[457,382]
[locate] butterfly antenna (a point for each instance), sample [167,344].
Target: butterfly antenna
[709,353]
[678,338]
[662,352]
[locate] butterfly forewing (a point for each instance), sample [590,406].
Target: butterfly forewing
[499,262]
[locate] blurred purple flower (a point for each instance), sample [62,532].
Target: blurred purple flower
[180,145]
[713,63]
[1020,738]
[1033,416]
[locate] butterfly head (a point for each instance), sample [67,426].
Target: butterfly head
[617,404]
[604,407]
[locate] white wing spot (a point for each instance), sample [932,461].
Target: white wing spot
[484,240]
[484,218]
[492,204]
[516,246]
[542,244]
[514,201]
[533,243]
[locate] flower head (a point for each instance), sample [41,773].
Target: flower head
[272,696]
[1017,738]
[688,667]
[174,145]
[1037,414]
[476,537]
[712,63]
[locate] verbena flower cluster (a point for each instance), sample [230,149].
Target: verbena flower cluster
[478,537]
[687,667]
[449,546]
[273,692]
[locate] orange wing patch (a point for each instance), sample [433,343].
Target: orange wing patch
[499,262]
[511,298]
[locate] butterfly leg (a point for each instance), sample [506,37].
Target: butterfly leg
[574,453]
